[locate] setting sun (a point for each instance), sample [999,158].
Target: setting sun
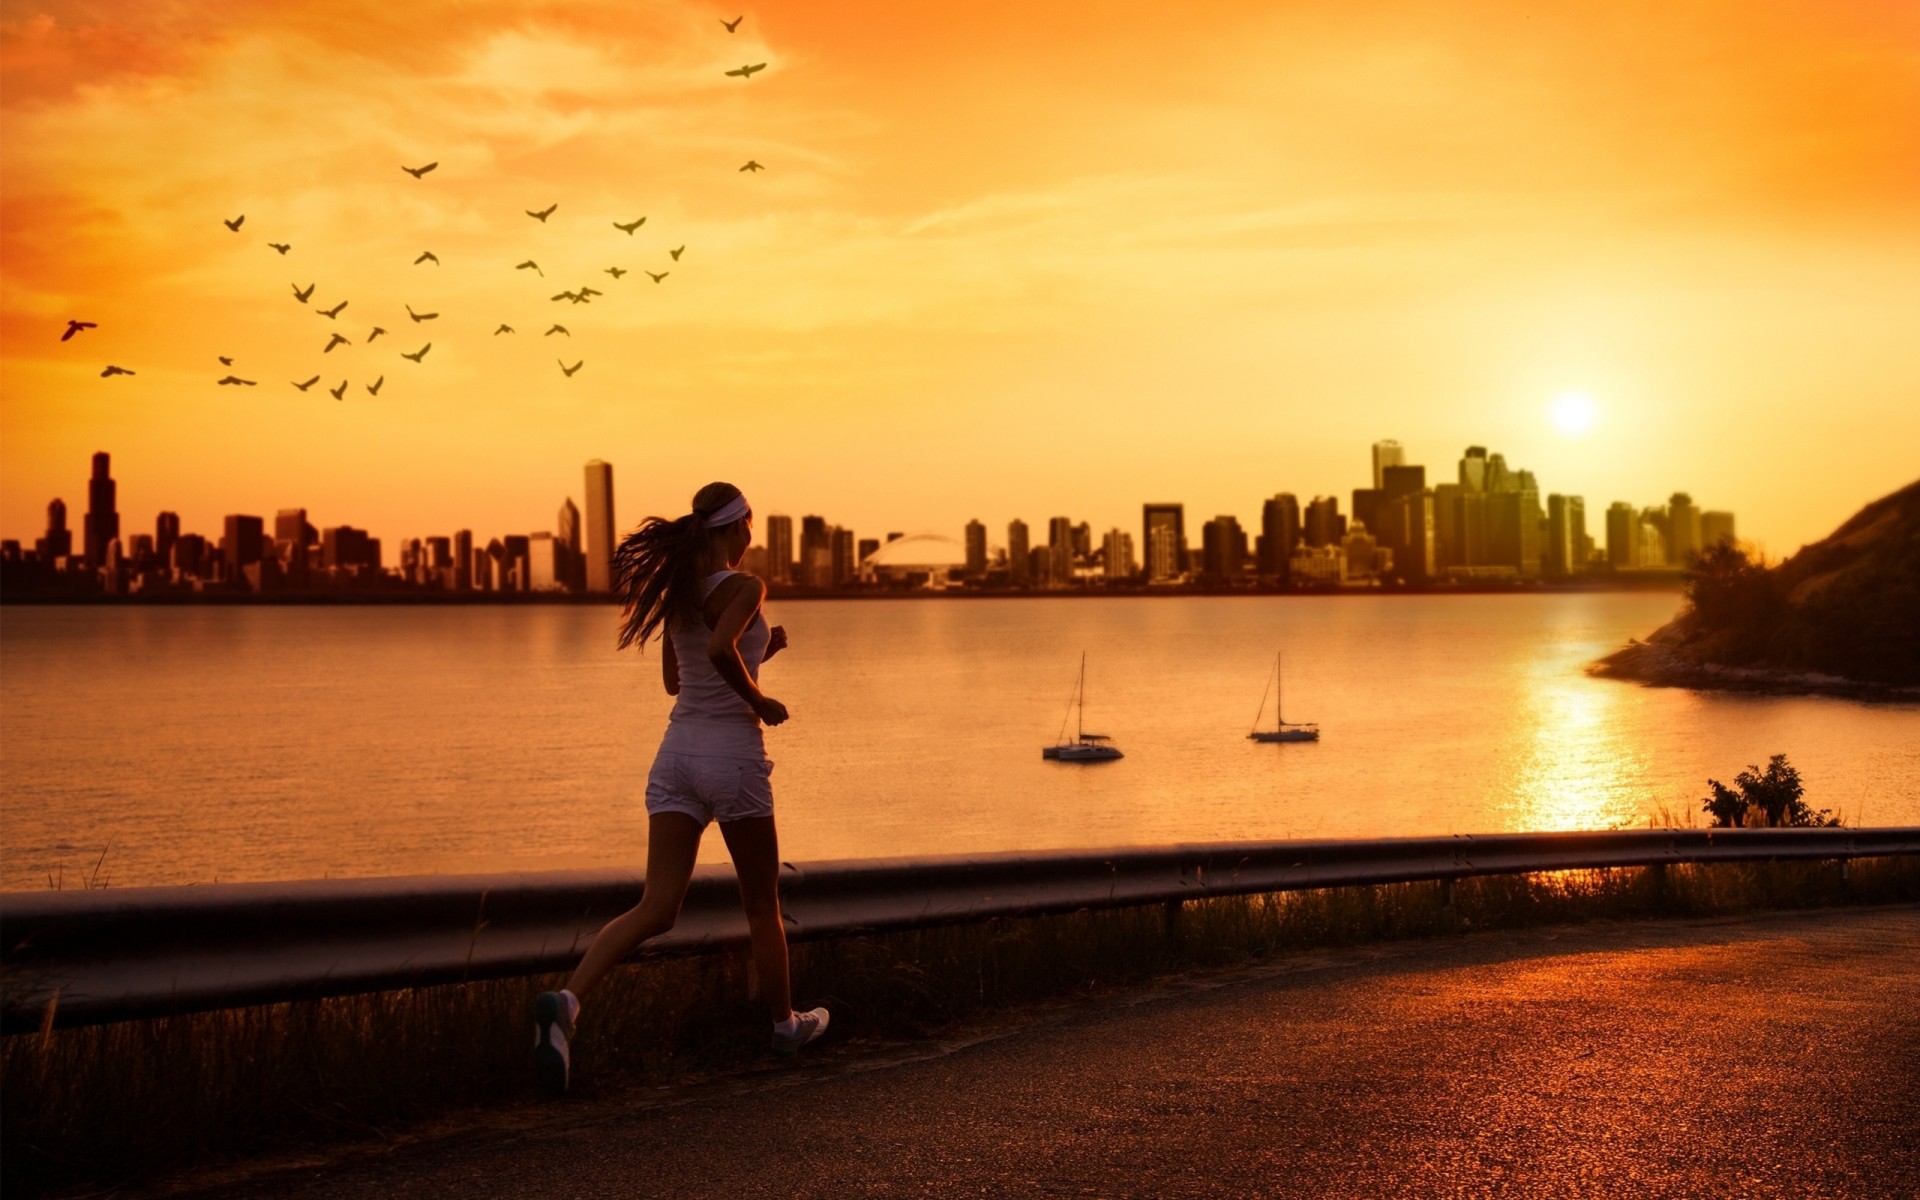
[1574,413]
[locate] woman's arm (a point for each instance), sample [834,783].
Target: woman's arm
[723,648]
[669,665]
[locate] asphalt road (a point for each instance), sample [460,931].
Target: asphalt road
[1770,1056]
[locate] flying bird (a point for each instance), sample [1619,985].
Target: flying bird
[676,253]
[544,213]
[235,223]
[300,295]
[534,266]
[569,370]
[616,272]
[427,256]
[336,340]
[503,329]
[333,312]
[573,296]
[417,172]
[746,72]
[419,354]
[752,166]
[309,383]
[659,277]
[377,331]
[235,379]
[225,361]
[282,247]
[557,329]
[339,393]
[587,291]
[113,370]
[373,389]
[418,317]
[628,229]
[733,24]
[74,327]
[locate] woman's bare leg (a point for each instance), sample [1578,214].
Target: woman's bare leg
[673,841]
[755,848]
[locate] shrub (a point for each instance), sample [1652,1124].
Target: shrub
[1775,797]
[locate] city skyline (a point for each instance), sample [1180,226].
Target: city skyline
[1488,521]
[1191,279]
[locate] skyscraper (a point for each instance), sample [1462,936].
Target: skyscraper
[843,563]
[780,550]
[463,560]
[1164,537]
[1279,533]
[1683,529]
[1385,454]
[59,540]
[1060,535]
[166,531]
[1223,553]
[1019,558]
[1323,526]
[1557,556]
[1473,469]
[976,548]
[241,548]
[1117,550]
[566,532]
[103,517]
[1715,528]
[601,541]
[1620,534]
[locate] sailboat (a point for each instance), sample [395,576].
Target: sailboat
[1085,747]
[1283,730]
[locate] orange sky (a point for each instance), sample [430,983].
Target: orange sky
[1002,262]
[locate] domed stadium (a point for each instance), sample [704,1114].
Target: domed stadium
[926,560]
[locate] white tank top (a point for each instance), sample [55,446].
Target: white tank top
[708,716]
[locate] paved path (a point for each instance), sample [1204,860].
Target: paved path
[1769,1056]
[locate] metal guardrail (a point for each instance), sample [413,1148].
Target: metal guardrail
[124,953]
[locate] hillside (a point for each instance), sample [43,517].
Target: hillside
[1842,615]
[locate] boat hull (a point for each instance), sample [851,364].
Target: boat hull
[1081,753]
[1285,735]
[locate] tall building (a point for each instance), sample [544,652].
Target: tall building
[1683,529]
[1446,526]
[1019,557]
[1166,550]
[546,563]
[1410,533]
[1620,534]
[516,549]
[601,539]
[1566,529]
[1513,531]
[1323,525]
[1366,508]
[1279,533]
[566,532]
[241,548]
[166,531]
[291,537]
[1473,469]
[1060,536]
[58,543]
[1385,454]
[780,550]
[1117,549]
[103,517]
[844,565]
[1715,528]
[976,548]
[1223,550]
[463,561]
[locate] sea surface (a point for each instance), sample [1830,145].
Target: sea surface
[150,745]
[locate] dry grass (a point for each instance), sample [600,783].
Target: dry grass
[108,1105]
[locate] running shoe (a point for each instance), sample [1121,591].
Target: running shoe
[552,1030]
[807,1026]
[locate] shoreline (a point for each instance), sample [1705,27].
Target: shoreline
[509,599]
[1650,664]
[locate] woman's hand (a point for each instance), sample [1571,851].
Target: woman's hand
[769,710]
[776,641]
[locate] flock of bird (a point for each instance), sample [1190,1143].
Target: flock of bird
[577,296]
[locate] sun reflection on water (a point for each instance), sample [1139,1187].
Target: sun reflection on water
[1578,770]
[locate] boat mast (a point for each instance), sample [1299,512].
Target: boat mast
[1279,695]
[1080,710]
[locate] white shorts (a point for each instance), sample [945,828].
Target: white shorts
[710,787]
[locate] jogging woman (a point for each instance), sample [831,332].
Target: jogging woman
[677,582]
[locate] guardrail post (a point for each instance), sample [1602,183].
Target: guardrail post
[1846,880]
[1657,874]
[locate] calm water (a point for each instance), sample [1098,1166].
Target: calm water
[195,744]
